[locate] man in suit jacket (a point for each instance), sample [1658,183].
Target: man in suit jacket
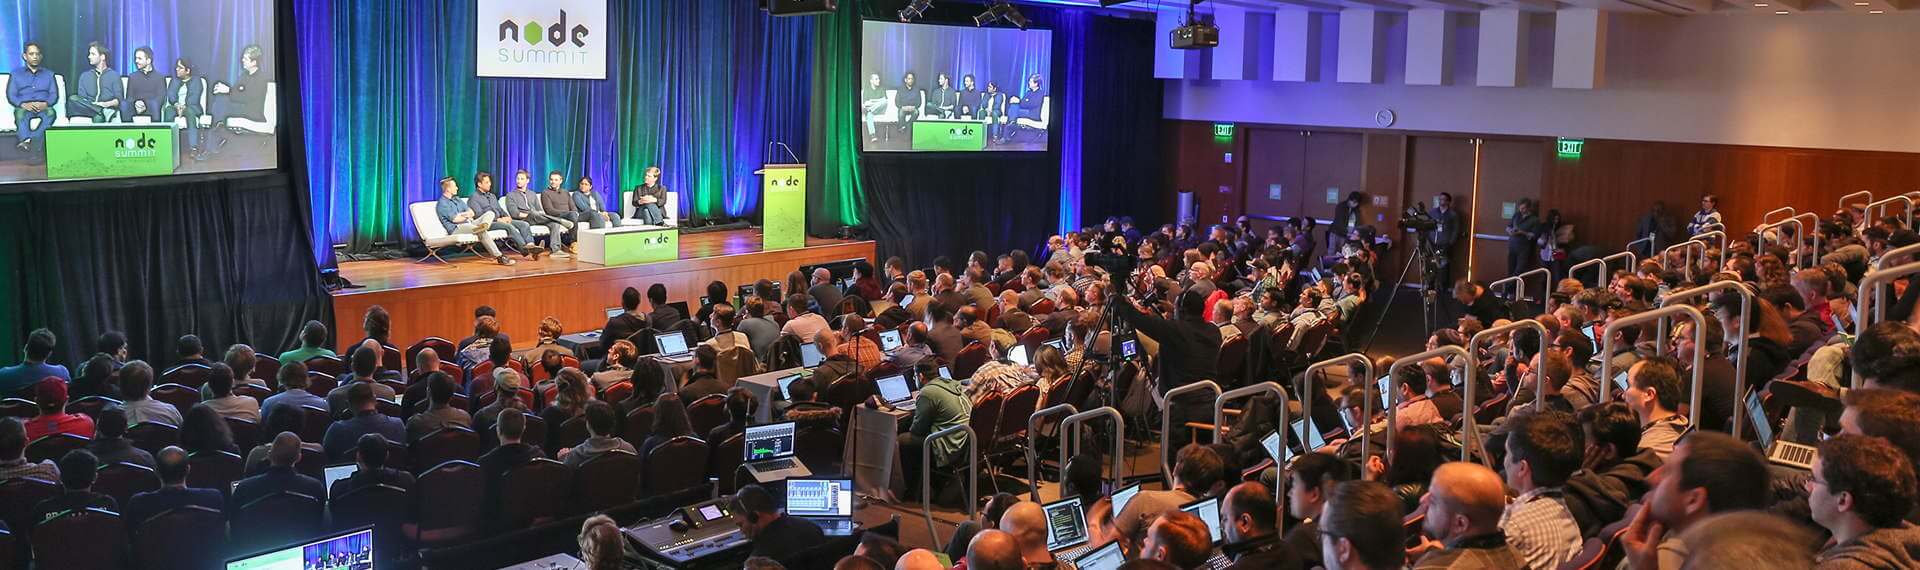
[279,476]
[171,464]
[182,100]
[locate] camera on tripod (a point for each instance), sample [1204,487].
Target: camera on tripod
[1416,218]
[1111,254]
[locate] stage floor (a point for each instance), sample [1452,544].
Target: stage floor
[433,299]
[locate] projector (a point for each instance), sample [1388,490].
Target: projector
[799,7]
[1197,35]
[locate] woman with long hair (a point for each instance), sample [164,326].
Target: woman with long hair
[569,400]
[1052,368]
[669,421]
[204,430]
[1765,347]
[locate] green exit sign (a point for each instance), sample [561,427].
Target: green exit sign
[1223,130]
[1571,148]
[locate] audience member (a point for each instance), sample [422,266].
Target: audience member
[571,395]
[1543,450]
[1653,393]
[1751,540]
[740,407]
[51,396]
[1198,471]
[1027,523]
[110,444]
[136,381]
[601,437]
[279,476]
[669,421]
[13,450]
[1179,538]
[1310,480]
[313,344]
[365,367]
[366,418]
[506,396]
[285,421]
[1708,473]
[1360,528]
[293,383]
[774,534]
[77,472]
[190,350]
[511,453]
[204,431]
[703,381]
[14,380]
[602,546]
[802,321]
[994,550]
[942,404]
[1862,490]
[219,396]
[664,316]
[441,413]
[370,461]
[96,379]
[171,465]
[1249,520]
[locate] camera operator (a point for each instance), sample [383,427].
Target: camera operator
[1445,234]
[1189,350]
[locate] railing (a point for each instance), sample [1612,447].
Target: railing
[1520,284]
[1746,318]
[1468,430]
[1539,358]
[1760,234]
[1309,389]
[1881,207]
[1652,241]
[1723,243]
[1686,248]
[1166,420]
[1220,425]
[1600,280]
[1888,258]
[1073,423]
[926,477]
[1660,315]
[1768,217]
[1033,444]
[1810,222]
[1868,194]
[1873,300]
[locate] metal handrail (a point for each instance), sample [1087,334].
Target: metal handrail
[1166,420]
[1723,243]
[1469,433]
[1746,318]
[1220,424]
[1539,354]
[926,477]
[1768,217]
[1033,444]
[1633,262]
[1867,193]
[1660,314]
[1896,253]
[1686,247]
[1652,241]
[1074,421]
[1520,291]
[1600,282]
[1307,394]
[1868,307]
[1882,206]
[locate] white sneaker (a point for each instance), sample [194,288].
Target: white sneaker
[557,254]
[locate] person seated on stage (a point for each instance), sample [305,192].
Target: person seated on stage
[942,101]
[370,457]
[527,210]
[774,534]
[619,366]
[220,396]
[146,90]
[942,404]
[97,91]
[246,98]
[32,92]
[1031,105]
[664,317]
[171,466]
[455,218]
[993,110]
[910,98]
[182,103]
[560,213]
[441,413]
[591,210]
[873,103]
[343,433]
[967,98]
[601,436]
[77,473]
[650,199]
[51,396]
[485,204]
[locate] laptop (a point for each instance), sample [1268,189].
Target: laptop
[1779,452]
[673,346]
[895,391]
[889,340]
[810,356]
[337,472]
[1066,524]
[1308,434]
[1208,510]
[1108,557]
[824,502]
[1272,444]
[1059,344]
[1621,381]
[769,452]
[615,312]
[1121,497]
[1386,392]
[1018,355]
[784,382]
[682,307]
[944,373]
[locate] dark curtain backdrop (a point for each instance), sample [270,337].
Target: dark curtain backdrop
[699,88]
[1103,160]
[223,257]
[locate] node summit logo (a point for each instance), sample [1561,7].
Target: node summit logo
[558,39]
[136,146]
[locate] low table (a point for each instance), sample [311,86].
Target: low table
[627,245]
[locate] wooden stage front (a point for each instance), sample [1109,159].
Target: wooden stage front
[431,299]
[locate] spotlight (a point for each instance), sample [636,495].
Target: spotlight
[1002,10]
[915,9]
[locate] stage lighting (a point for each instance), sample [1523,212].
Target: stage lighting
[1002,10]
[915,9]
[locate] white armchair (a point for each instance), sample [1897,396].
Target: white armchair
[1046,117]
[670,218]
[242,124]
[426,223]
[59,103]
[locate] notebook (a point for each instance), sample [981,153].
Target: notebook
[1066,524]
[810,355]
[1272,443]
[784,382]
[673,346]
[1121,497]
[1018,354]
[1108,557]
[1208,510]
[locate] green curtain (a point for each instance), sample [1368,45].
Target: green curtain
[835,196]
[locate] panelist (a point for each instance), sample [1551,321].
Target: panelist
[246,97]
[182,102]
[31,91]
[873,103]
[910,98]
[649,199]
[484,202]
[523,208]
[145,89]
[1031,105]
[560,212]
[942,101]
[993,109]
[97,91]
[590,208]
[968,97]
[457,219]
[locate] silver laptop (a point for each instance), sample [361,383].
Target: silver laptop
[810,356]
[1108,557]
[1066,526]
[769,452]
[1272,443]
[615,312]
[1779,452]
[889,340]
[1308,435]
[673,346]
[338,472]
[1208,510]
[1018,354]
[1122,496]
[895,391]
[824,502]
[1059,344]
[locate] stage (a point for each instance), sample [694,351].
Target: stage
[433,299]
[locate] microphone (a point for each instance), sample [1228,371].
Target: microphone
[790,154]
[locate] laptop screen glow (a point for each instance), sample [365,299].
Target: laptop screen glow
[614,312]
[810,355]
[1018,354]
[1208,510]
[1272,443]
[338,472]
[894,389]
[1121,497]
[1108,557]
[889,339]
[671,344]
[820,497]
[1066,523]
[769,441]
[785,381]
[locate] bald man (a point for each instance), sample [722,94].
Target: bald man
[919,559]
[1248,518]
[994,550]
[1464,504]
[1028,525]
[279,476]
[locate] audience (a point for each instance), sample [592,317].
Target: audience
[601,437]
[220,396]
[703,381]
[1707,474]
[1462,528]
[13,460]
[313,344]
[1310,481]
[279,477]
[1178,538]
[136,381]
[204,431]
[941,404]
[366,418]
[1027,523]
[1653,393]
[801,321]
[171,465]
[510,453]
[77,472]
[1198,472]
[370,468]
[96,379]
[51,397]
[110,444]
[440,413]
[740,408]
[669,421]
[1250,535]
[363,371]
[285,421]
[294,382]
[994,550]
[1543,450]
[1751,540]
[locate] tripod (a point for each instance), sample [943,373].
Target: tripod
[1431,275]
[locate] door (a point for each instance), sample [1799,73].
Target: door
[1510,170]
[1276,163]
[1444,164]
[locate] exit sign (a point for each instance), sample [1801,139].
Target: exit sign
[1571,148]
[1223,130]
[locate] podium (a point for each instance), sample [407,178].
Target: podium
[783,206]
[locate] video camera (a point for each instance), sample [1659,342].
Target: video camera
[1416,218]
[1111,254]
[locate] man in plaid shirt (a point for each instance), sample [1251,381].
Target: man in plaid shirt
[1543,449]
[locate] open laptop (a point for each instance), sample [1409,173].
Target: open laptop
[784,382]
[1208,510]
[769,452]
[1308,434]
[889,340]
[1108,557]
[824,502]
[895,391]
[1386,392]
[1059,344]
[1272,444]
[673,346]
[1066,526]
[682,307]
[810,356]
[614,312]
[1018,355]
[1620,380]
[1122,496]
[337,472]
[1780,452]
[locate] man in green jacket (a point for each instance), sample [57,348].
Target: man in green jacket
[941,404]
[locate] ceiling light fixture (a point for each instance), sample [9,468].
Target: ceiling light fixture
[1002,10]
[915,9]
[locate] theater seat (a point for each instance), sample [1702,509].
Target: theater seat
[91,538]
[272,115]
[707,413]
[445,444]
[189,537]
[152,437]
[383,506]
[532,494]
[670,214]
[1040,124]
[447,504]
[276,519]
[608,480]
[122,480]
[675,465]
[53,446]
